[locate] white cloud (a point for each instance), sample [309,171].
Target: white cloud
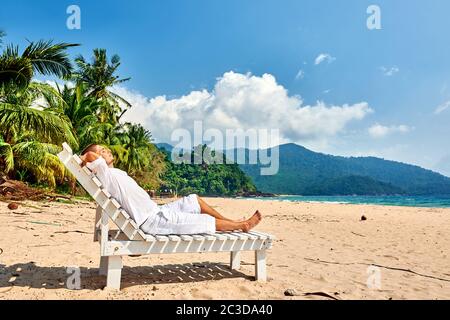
[442,107]
[324,57]
[300,74]
[243,101]
[380,131]
[389,72]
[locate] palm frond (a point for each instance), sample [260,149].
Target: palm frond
[40,159]
[15,72]
[7,155]
[47,126]
[116,97]
[48,58]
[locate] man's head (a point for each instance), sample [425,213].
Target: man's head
[105,153]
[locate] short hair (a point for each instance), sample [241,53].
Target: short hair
[92,147]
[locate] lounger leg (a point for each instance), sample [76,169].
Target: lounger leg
[260,265]
[103,269]
[235,260]
[98,217]
[114,272]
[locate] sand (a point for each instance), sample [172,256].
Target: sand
[320,248]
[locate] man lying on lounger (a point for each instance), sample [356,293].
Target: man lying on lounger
[188,215]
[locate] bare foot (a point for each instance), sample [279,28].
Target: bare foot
[257,213]
[252,222]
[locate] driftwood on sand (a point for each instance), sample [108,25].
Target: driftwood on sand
[13,190]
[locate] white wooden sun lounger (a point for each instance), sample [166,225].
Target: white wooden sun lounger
[131,240]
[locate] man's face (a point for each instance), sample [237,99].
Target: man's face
[106,154]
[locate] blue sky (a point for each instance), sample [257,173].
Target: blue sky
[174,48]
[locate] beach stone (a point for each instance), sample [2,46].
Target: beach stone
[13,206]
[290,292]
[363,218]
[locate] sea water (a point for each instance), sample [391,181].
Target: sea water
[406,201]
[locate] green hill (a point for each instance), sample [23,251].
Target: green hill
[305,172]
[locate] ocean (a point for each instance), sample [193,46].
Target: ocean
[405,201]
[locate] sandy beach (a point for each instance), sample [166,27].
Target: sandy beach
[320,248]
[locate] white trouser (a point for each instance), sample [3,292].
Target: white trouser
[180,217]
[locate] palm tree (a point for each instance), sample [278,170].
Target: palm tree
[20,110]
[43,57]
[33,156]
[99,76]
[82,111]
[137,142]
[24,113]
[32,133]
[30,128]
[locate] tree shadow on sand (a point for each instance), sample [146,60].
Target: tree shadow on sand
[33,276]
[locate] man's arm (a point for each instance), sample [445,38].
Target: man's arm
[89,157]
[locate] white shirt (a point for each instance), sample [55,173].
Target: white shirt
[136,202]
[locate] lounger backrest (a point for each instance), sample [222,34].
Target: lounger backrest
[94,187]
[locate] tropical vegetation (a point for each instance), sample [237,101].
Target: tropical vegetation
[79,106]
[208,177]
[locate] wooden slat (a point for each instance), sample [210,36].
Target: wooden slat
[125,214]
[208,237]
[174,238]
[149,237]
[67,148]
[117,204]
[134,224]
[111,208]
[261,234]
[87,171]
[96,181]
[240,235]
[186,237]
[114,215]
[198,237]
[102,199]
[220,236]
[251,236]
[230,236]
[77,159]
[107,194]
[257,235]
[162,238]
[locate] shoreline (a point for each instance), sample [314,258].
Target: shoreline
[279,199]
[41,239]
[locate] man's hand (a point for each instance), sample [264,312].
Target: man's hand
[83,160]
[88,157]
